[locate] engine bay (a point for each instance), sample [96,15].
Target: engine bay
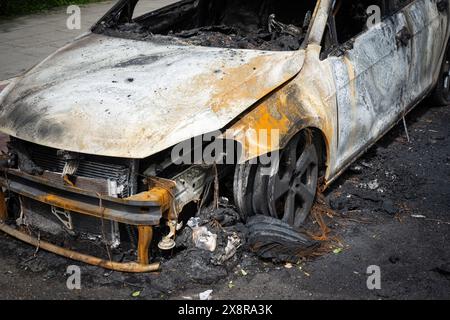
[260,25]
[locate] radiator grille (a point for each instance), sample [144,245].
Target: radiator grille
[95,167]
[85,229]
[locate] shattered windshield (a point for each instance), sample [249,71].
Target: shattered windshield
[278,25]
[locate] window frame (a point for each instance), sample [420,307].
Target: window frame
[337,49]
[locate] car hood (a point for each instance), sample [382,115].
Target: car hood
[125,98]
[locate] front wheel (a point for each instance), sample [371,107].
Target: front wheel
[288,192]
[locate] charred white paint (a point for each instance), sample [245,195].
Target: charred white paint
[125,98]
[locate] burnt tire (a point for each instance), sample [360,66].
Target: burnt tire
[288,192]
[441,94]
[243,189]
[273,239]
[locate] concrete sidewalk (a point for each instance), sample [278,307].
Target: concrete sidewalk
[26,40]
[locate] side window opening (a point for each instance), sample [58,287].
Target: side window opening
[272,25]
[351,17]
[346,21]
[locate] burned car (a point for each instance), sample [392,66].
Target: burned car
[100,131]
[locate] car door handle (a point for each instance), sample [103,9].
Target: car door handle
[403,37]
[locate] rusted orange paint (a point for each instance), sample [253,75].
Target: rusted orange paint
[239,83]
[131,267]
[145,238]
[307,101]
[57,201]
[158,195]
[72,206]
[242,82]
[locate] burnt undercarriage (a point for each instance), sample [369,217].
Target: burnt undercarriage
[263,25]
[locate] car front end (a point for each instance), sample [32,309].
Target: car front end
[92,172]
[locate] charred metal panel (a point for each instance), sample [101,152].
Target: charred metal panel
[370,80]
[308,101]
[429,30]
[6,86]
[388,68]
[122,98]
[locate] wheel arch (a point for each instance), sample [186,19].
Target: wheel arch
[322,146]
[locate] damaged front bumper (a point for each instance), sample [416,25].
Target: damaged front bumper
[143,211]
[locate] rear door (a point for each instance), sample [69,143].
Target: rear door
[371,71]
[428,24]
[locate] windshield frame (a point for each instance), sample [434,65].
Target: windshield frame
[123,10]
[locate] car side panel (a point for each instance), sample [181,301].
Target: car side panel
[370,80]
[429,30]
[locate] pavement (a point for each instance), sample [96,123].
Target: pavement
[27,40]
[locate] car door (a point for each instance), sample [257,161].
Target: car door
[428,24]
[370,70]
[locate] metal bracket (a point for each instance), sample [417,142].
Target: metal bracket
[64,217]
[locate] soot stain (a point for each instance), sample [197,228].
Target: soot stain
[139,61]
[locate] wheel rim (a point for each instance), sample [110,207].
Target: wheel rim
[291,191]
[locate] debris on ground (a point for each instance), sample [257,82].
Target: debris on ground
[356,169]
[225,215]
[204,239]
[419,216]
[211,244]
[234,243]
[389,207]
[275,240]
[216,230]
[208,248]
[205,295]
[136,294]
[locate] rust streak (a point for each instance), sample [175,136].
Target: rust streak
[131,267]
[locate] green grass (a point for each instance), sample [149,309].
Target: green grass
[10,8]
